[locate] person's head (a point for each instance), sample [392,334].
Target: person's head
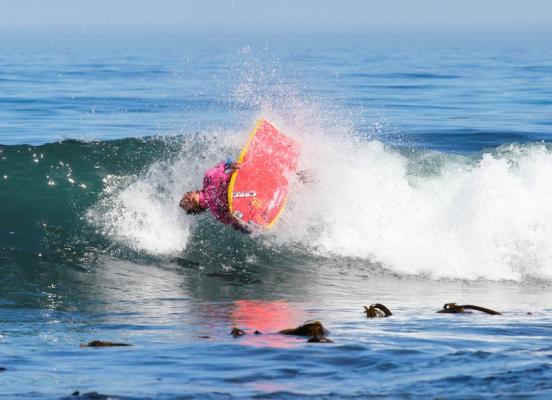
[190,203]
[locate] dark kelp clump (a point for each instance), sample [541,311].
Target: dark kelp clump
[453,308]
[377,311]
[101,343]
[319,339]
[237,332]
[89,396]
[309,328]
[313,329]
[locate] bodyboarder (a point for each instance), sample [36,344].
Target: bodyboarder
[214,195]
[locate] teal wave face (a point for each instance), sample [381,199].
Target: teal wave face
[45,190]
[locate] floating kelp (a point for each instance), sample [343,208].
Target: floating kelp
[453,308]
[237,332]
[101,343]
[309,328]
[319,339]
[377,311]
[314,329]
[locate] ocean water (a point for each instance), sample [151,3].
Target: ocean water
[432,165]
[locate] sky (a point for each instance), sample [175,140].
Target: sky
[277,16]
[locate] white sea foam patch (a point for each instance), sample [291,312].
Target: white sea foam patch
[142,211]
[489,217]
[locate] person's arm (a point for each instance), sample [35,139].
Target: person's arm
[237,225]
[231,166]
[216,176]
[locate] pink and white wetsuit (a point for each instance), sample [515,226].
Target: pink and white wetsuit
[214,194]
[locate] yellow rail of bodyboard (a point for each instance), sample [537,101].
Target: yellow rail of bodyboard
[240,159]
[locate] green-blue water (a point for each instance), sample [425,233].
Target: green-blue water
[432,169]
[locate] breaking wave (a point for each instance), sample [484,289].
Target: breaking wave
[407,210]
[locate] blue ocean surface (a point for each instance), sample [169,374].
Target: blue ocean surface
[432,178]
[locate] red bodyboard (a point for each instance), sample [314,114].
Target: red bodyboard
[258,190]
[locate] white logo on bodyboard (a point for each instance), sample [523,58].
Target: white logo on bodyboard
[239,195]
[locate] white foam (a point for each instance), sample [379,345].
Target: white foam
[442,215]
[486,218]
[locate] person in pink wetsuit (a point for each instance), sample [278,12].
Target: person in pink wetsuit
[214,195]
